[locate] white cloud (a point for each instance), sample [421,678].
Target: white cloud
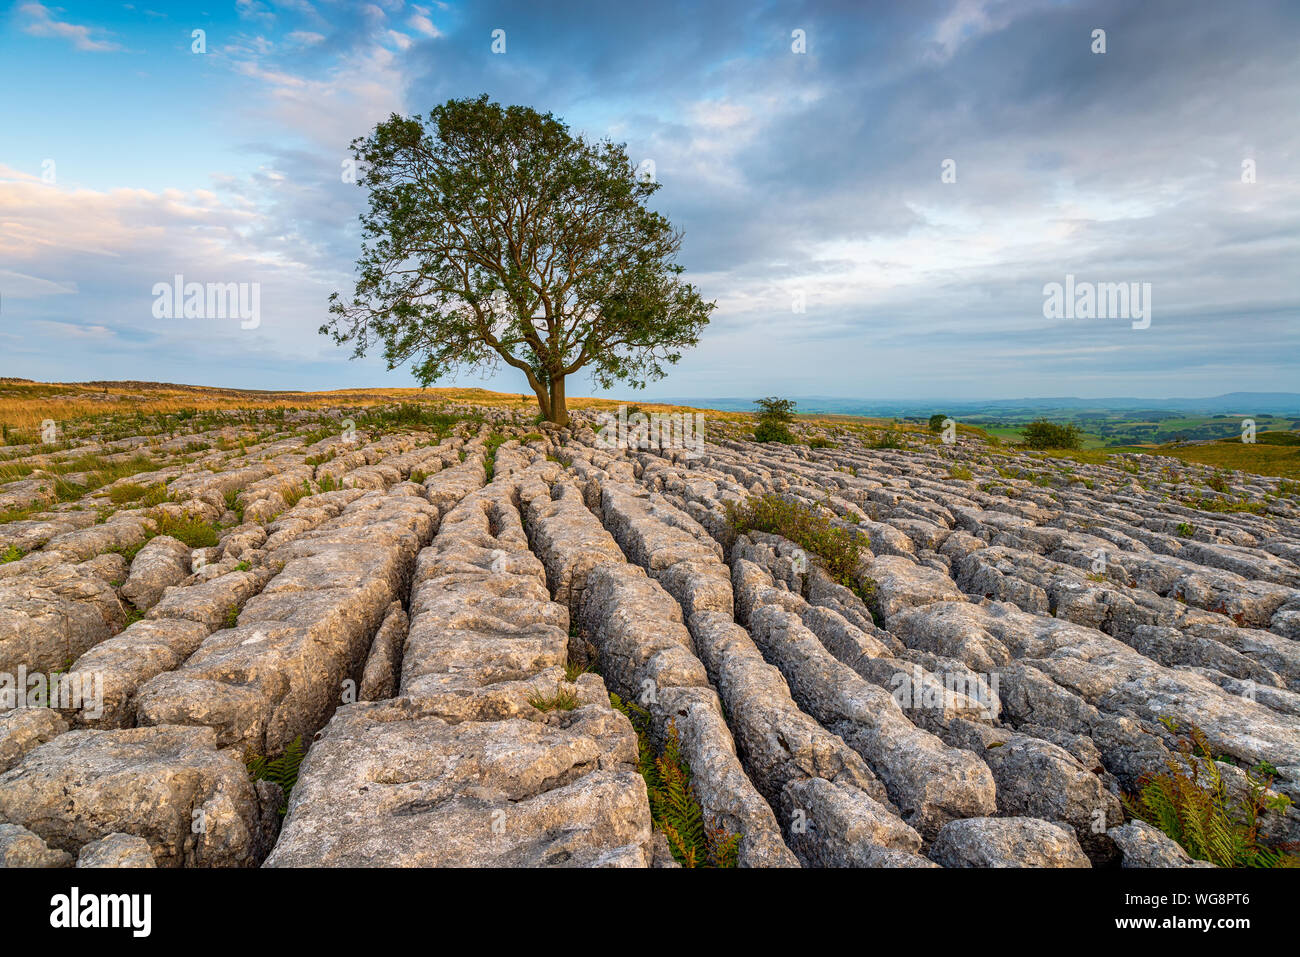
[43,24]
[421,23]
[73,330]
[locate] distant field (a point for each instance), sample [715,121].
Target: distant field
[1133,428]
[1261,459]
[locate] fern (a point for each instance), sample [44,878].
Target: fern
[674,807]
[1189,802]
[282,770]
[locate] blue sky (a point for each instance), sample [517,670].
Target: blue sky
[126,158]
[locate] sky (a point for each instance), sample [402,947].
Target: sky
[876,195]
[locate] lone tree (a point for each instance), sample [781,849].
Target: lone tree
[494,234]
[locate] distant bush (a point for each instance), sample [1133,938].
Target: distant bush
[961,472]
[1042,434]
[821,442]
[774,418]
[936,422]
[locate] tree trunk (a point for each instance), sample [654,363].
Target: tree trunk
[559,412]
[543,401]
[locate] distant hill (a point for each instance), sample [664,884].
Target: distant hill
[1244,403]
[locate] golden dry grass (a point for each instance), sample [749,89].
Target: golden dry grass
[25,404]
[1280,460]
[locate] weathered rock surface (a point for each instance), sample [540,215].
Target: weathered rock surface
[1006,842]
[439,616]
[160,564]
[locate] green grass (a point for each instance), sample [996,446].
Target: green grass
[146,495]
[1215,503]
[193,531]
[564,699]
[494,442]
[296,494]
[573,672]
[1282,461]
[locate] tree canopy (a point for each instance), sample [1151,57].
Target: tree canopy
[493,235]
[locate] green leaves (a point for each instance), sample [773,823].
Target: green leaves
[494,234]
[774,418]
[1042,434]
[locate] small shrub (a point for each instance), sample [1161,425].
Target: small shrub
[774,418]
[936,422]
[821,442]
[154,495]
[961,472]
[839,549]
[11,554]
